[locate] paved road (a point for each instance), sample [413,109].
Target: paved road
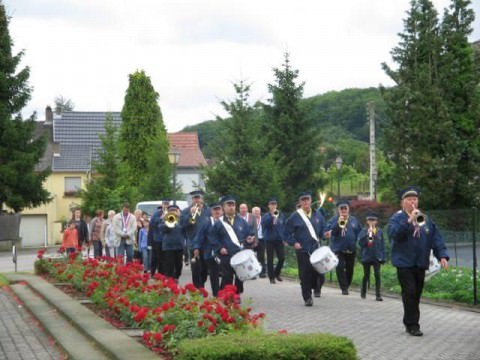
[375,327]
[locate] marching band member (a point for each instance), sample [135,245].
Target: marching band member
[343,230]
[229,236]
[259,245]
[305,228]
[192,219]
[413,235]
[372,248]
[155,238]
[273,225]
[203,244]
[173,242]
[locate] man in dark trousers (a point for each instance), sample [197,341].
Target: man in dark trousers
[305,228]
[155,238]
[413,236]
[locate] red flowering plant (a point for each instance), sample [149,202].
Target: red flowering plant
[166,311]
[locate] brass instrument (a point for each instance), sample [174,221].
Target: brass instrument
[276,213]
[342,223]
[193,218]
[370,235]
[171,219]
[419,218]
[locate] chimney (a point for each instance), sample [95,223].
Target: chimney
[48,114]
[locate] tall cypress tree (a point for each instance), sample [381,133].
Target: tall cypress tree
[20,185]
[291,134]
[241,167]
[419,137]
[143,144]
[459,79]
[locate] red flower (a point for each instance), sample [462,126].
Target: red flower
[141,314]
[211,328]
[157,337]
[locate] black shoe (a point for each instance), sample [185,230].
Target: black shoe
[309,302]
[272,281]
[345,292]
[363,295]
[254,278]
[379,298]
[263,275]
[317,293]
[279,278]
[414,332]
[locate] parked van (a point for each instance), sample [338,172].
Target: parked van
[149,207]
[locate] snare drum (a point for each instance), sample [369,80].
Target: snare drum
[323,260]
[245,264]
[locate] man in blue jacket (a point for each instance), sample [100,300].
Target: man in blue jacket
[155,238]
[304,229]
[343,230]
[173,243]
[412,239]
[273,225]
[227,244]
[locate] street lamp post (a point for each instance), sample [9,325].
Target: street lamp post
[174,158]
[338,164]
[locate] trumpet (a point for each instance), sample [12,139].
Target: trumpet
[419,218]
[276,213]
[370,235]
[342,223]
[193,219]
[171,220]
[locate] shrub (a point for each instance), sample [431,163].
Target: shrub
[268,346]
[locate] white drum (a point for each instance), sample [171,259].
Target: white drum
[245,264]
[433,268]
[323,260]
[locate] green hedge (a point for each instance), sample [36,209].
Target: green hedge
[268,346]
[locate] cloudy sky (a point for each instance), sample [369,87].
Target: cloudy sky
[194,50]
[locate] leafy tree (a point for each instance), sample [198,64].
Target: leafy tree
[143,144]
[63,104]
[419,137]
[241,166]
[292,134]
[107,190]
[20,185]
[459,80]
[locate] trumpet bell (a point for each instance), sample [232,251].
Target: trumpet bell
[171,219]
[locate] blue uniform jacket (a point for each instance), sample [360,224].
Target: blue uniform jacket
[409,251]
[154,234]
[297,231]
[204,240]
[273,232]
[172,239]
[339,243]
[192,229]
[374,253]
[221,239]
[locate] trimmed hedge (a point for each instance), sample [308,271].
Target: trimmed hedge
[267,347]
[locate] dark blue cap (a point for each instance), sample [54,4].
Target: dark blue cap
[372,215]
[215,205]
[409,191]
[227,198]
[197,193]
[304,194]
[173,207]
[343,203]
[272,200]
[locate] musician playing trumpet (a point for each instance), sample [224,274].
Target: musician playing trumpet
[192,220]
[411,246]
[372,247]
[173,242]
[343,230]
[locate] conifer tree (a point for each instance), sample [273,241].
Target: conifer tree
[291,134]
[143,144]
[20,185]
[241,168]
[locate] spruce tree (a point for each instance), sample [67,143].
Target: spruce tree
[20,185]
[241,167]
[143,144]
[291,134]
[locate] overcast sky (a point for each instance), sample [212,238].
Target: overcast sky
[194,50]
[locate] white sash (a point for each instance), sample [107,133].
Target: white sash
[125,222]
[231,233]
[308,223]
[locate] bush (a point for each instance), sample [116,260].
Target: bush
[268,346]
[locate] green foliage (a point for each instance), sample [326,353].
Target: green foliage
[243,166]
[20,185]
[143,144]
[268,346]
[430,136]
[63,104]
[291,134]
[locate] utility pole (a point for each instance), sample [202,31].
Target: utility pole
[373,162]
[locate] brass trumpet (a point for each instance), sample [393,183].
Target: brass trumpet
[193,219]
[342,223]
[276,213]
[419,218]
[171,220]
